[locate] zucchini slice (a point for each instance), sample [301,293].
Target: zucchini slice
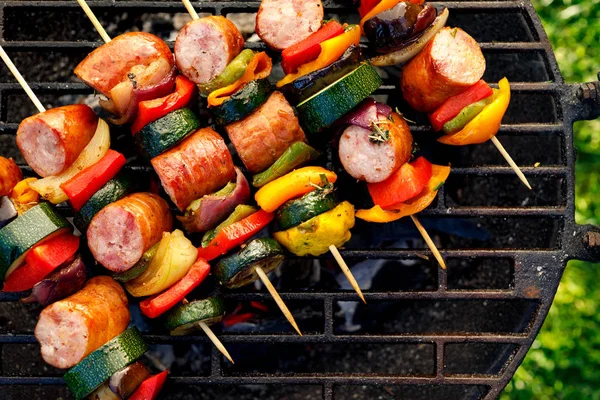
[330,104]
[184,319]
[115,189]
[164,133]
[139,267]
[102,363]
[20,235]
[238,269]
[243,102]
[296,211]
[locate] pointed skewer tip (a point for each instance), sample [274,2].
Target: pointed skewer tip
[215,340]
[344,267]
[511,162]
[429,241]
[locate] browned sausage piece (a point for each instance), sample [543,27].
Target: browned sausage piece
[129,53]
[264,135]
[10,175]
[72,328]
[51,141]
[204,47]
[121,232]
[199,165]
[371,160]
[450,63]
[283,23]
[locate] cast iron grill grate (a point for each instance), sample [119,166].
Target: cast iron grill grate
[425,333]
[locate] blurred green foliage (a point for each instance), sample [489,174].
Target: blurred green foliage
[564,360]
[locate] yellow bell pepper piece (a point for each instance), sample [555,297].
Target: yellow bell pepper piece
[316,235]
[379,8]
[412,206]
[331,51]
[485,125]
[295,184]
[24,197]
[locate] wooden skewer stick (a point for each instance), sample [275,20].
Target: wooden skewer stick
[286,312]
[213,338]
[190,9]
[347,272]
[95,22]
[511,162]
[430,244]
[21,80]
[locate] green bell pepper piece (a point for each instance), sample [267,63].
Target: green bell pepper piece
[242,211]
[234,71]
[466,115]
[295,155]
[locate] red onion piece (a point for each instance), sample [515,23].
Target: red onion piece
[365,113]
[161,89]
[60,284]
[425,18]
[213,209]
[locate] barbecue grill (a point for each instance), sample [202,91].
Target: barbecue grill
[425,332]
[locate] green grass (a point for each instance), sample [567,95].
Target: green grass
[564,360]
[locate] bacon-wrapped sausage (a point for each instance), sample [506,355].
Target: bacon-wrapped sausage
[264,135]
[450,63]
[51,141]
[283,23]
[205,46]
[72,328]
[198,166]
[121,232]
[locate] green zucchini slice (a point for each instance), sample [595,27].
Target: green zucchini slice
[185,318]
[296,211]
[243,102]
[238,269]
[164,133]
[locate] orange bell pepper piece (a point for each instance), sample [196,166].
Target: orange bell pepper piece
[331,51]
[295,184]
[24,197]
[413,206]
[485,125]
[259,68]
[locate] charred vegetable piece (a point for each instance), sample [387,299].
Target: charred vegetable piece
[241,104]
[124,382]
[20,235]
[466,115]
[100,365]
[23,196]
[10,174]
[59,284]
[234,71]
[41,260]
[240,212]
[8,212]
[295,156]
[184,319]
[316,235]
[174,257]
[295,212]
[206,213]
[139,267]
[307,85]
[330,104]
[164,133]
[114,190]
[238,269]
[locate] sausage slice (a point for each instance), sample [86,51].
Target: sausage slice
[199,165]
[204,47]
[450,63]
[283,23]
[72,328]
[371,160]
[51,141]
[264,135]
[121,232]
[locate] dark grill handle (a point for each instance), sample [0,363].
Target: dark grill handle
[587,106]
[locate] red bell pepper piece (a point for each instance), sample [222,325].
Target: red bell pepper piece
[235,234]
[366,6]
[452,106]
[309,48]
[87,182]
[151,387]
[151,110]
[404,184]
[41,261]
[154,306]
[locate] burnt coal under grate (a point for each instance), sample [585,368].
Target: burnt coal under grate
[425,333]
